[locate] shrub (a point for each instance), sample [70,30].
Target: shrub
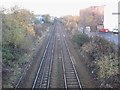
[108,66]
[80,39]
[103,61]
[16,33]
[98,47]
[6,54]
[11,52]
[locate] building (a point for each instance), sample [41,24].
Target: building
[111,15]
[91,16]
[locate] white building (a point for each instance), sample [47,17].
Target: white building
[111,15]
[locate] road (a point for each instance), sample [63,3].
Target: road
[108,36]
[57,64]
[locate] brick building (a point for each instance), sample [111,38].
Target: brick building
[92,16]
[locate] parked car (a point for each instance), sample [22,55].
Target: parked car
[115,31]
[88,28]
[103,30]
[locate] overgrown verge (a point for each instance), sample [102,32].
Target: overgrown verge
[103,60]
[19,40]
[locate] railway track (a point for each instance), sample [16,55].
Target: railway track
[18,84]
[42,79]
[71,78]
[43,75]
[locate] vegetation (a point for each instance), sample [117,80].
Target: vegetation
[80,39]
[17,33]
[89,17]
[103,59]
[46,18]
[71,23]
[18,39]
[98,47]
[108,65]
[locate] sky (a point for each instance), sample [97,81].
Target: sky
[54,7]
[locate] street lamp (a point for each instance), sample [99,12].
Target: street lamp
[93,14]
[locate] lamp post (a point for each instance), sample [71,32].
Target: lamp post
[93,15]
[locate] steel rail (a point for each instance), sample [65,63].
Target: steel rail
[80,85]
[25,70]
[49,64]
[63,66]
[71,64]
[36,77]
[48,70]
[65,81]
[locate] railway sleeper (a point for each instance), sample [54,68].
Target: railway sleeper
[70,72]
[46,72]
[73,86]
[44,81]
[72,83]
[71,80]
[70,75]
[69,68]
[46,76]
[44,85]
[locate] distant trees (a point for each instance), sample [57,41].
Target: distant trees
[46,18]
[91,16]
[36,21]
[71,23]
[86,18]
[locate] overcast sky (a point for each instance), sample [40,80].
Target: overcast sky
[54,7]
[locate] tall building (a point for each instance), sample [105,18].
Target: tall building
[92,16]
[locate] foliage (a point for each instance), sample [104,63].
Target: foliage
[81,39]
[89,17]
[10,53]
[108,66]
[17,37]
[17,33]
[46,18]
[86,18]
[7,54]
[37,21]
[71,23]
[103,60]
[98,47]
[37,30]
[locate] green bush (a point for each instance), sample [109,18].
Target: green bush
[16,37]
[80,39]
[98,47]
[36,21]
[11,52]
[103,60]
[6,54]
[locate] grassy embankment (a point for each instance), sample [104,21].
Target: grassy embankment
[19,41]
[103,59]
